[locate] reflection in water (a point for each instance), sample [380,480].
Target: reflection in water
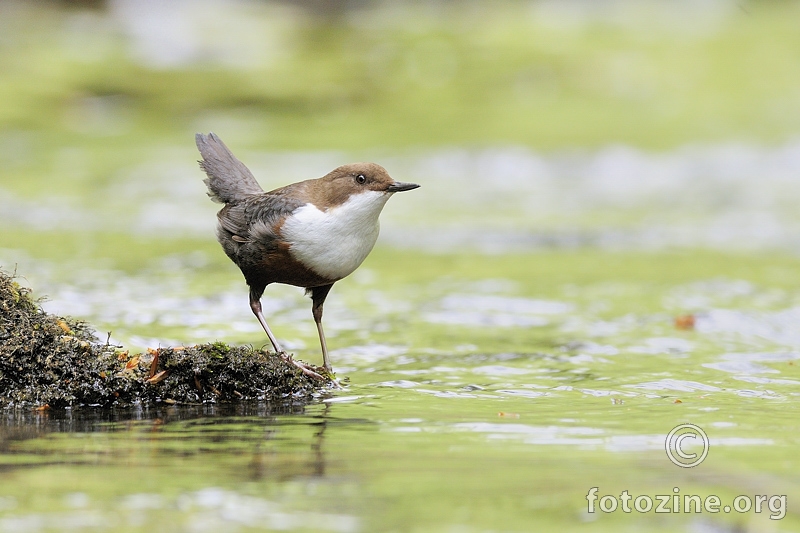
[89,420]
[195,427]
[319,440]
[259,429]
[152,455]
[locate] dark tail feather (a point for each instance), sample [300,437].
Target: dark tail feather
[228,179]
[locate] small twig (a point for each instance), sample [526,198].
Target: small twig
[154,364]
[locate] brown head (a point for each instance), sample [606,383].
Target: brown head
[338,185]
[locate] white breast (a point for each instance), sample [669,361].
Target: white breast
[335,242]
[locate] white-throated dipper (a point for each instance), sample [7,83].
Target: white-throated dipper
[309,234]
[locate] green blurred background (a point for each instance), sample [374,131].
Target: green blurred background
[351,75]
[550,122]
[120,76]
[593,115]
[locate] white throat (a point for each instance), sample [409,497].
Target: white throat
[335,242]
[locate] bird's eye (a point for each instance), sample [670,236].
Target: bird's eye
[361,179]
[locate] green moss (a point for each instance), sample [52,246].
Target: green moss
[56,362]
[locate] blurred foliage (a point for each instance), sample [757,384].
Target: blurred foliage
[544,74]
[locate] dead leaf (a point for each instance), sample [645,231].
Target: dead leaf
[161,376]
[685,322]
[133,363]
[154,365]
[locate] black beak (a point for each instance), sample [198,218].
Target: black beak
[399,186]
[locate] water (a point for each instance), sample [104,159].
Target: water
[483,393]
[484,390]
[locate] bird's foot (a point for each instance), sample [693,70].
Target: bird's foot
[307,369]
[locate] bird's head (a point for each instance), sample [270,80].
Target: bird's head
[358,178]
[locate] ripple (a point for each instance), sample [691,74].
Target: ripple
[500,370]
[675,385]
[399,384]
[522,393]
[592,348]
[229,508]
[762,380]
[210,509]
[347,399]
[495,311]
[663,345]
[764,357]
[604,393]
[747,362]
[368,353]
[768,394]
[588,437]
[476,318]
[740,367]
[779,327]
[407,429]
[451,394]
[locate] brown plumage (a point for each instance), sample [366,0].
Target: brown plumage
[309,234]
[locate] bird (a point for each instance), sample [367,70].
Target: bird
[309,234]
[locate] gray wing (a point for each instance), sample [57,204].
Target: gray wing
[228,179]
[254,220]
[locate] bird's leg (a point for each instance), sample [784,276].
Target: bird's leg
[255,305]
[318,295]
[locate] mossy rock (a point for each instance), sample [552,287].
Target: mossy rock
[50,361]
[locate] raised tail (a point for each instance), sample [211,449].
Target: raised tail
[228,179]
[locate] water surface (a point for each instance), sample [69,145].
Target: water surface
[483,393]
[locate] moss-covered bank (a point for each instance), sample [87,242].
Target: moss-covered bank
[50,361]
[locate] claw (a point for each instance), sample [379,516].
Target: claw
[302,366]
[308,372]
